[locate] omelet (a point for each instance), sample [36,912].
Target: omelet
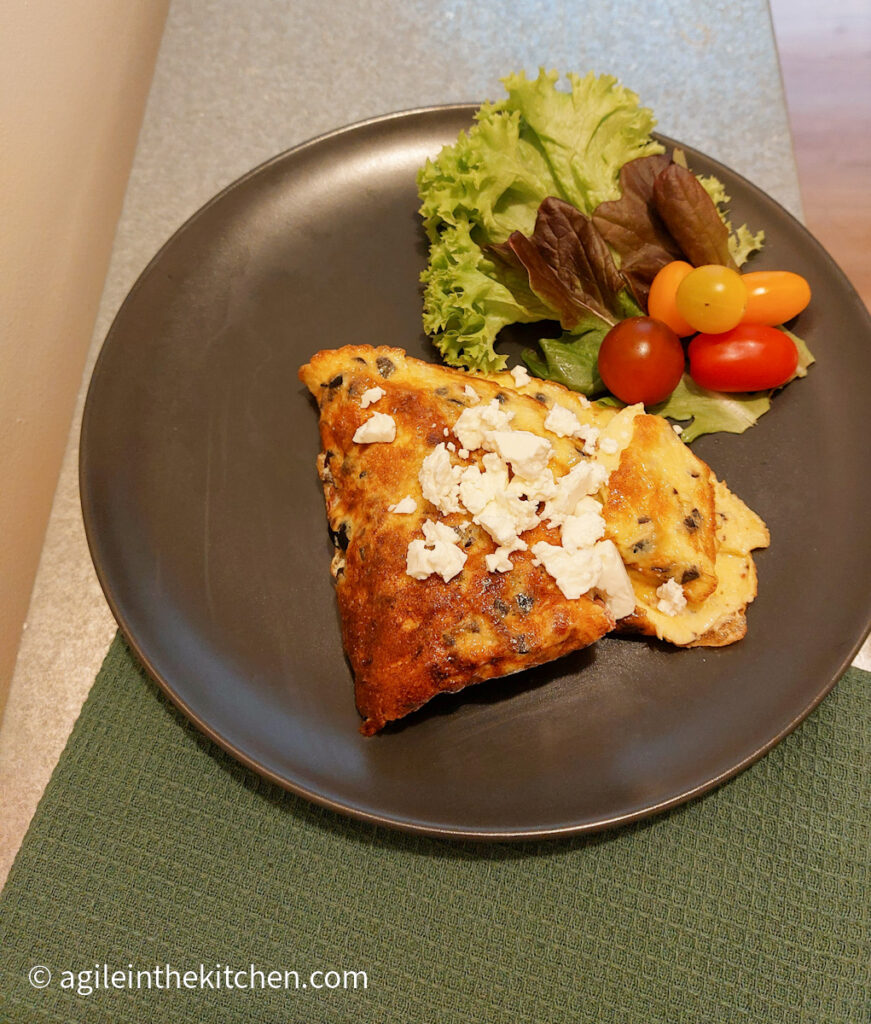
[486,524]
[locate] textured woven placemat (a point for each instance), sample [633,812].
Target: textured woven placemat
[152,853]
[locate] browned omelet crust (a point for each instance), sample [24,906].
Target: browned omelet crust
[408,639]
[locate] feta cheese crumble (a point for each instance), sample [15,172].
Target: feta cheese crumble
[379,427]
[562,422]
[590,436]
[614,583]
[501,513]
[371,395]
[471,394]
[575,572]
[521,376]
[525,452]
[590,568]
[437,553]
[475,425]
[671,598]
[499,560]
[404,507]
[440,480]
[583,479]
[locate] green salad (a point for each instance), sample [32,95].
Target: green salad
[559,206]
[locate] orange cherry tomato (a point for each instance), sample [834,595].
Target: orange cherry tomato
[774,296]
[712,298]
[661,300]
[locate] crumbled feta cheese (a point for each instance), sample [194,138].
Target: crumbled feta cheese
[562,422]
[590,436]
[671,598]
[677,428]
[463,453]
[499,560]
[475,425]
[497,520]
[435,554]
[370,396]
[536,489]
[521,376]
[525,452]
[446,432]
[440,480]
[590,568]
[404,507]
[614,583]
[471,394]
[478,488]
[608,445]
[575,572]
[379,427]
[582,479]
[582,530]
[503,514]
[437,532]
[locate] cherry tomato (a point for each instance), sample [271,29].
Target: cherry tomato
[774,296]
[750,357]
[660,301]
[711,298]
[641,360]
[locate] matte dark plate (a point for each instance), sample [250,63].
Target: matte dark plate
[206,519]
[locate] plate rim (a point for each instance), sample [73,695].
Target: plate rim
[406,825]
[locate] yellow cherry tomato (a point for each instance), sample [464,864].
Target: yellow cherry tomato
[661,300]
[711,299]
[774,296]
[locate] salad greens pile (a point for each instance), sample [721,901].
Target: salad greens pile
[559,205]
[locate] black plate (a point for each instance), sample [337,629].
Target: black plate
[206,520]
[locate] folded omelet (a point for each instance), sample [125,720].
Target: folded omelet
[486,524]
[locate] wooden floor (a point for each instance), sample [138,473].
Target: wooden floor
[825,55]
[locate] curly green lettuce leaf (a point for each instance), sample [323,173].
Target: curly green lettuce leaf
[491,178]
[805,356]
[743,242]
[585,134]
[469,298]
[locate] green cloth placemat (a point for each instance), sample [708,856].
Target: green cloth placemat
[152,849]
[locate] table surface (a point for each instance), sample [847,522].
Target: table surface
[237,82]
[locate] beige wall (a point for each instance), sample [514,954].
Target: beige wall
[74,76]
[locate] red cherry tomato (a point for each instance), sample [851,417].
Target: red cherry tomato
[774,296]
[661,300]
[641,360]
[750,357]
